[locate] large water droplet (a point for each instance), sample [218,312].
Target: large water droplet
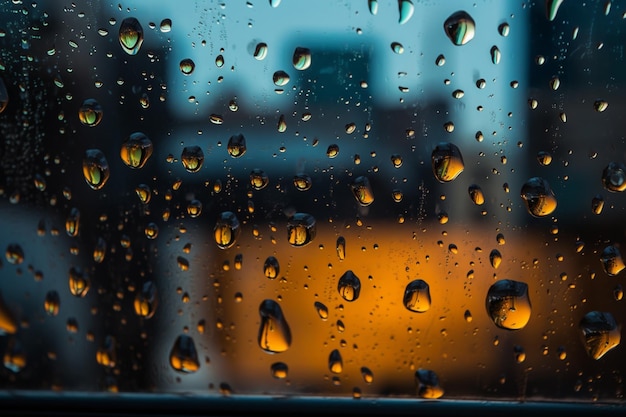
[362,190]
[538,197]
[349,286]
[258,179]
[226,230]
[183,355]
[302,182]
[301,229]
[460,28]
[406,10]
[447,162]
[372,6]
[301,58]
[552,7]
[335,362]
[90,113]
[476,194]
[428,384]
[78,282]
[274,333]
[166,25]
[417,296]
[508,304]
[192,158]
[614,177]
[271,268]
[131,35]
[95,168]
[260,51]
[187,66]
[280,78]
[612,261]
[136,150]
[279,370]
[599,332]
[146,300]
[236,146]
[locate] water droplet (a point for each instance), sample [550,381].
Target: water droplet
[183,355]
[136,150]
[301,229]
[597,204]
[600,105]
[282,124]
[321,309]
[349,286]
[236,146]
[151,231]
[260,51]
[301,58]
[544,158]
[447,162]
[8,323]
[279,370]
[275,3]
[468,316]
[78,282]
[146,300]
[599,332]
[460,28]
[614,177]
[258,179]
[417,296]
[166,25]
[274,333]
[302,182]
[508,304]
[362,190]
[144,193]
[14,254]
[495,54]
[612,260]
[405,9]
[219,61]
[555,83]
[95,168]
[519,354]
[271,267]
[51,303]
[476,194]
[335,362]
[280,78]
[372,6]
[396,160]
[552,7]
[495,258]
[72,223]
[341,248]
[428,384]
[618,293]
[216,119]
[504,29]
[4,96]
[458,94]
[106,355]
[99,250]
[367,374]
[538,197]
[226,230]
[397,48]
[90,113]
[192,158]
[131,35]
[187,66]
[14,357]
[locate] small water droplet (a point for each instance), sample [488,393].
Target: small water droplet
[341,248]
[183,355]
[335,362]
[349,286]
[612,261]
[4,96]
[322,310]
[496,55]
[460,28]
[397,48]
[95,169]
[597,204]
[279,370]
[555,83]
[373,6]
[302,182]
[151,231]
[274,333]
[271,267]
[476,194]
[367,374]
[143,193]
[614,177]
[131,35]
[146,300]
[260,51]
[447,162]
[428,384]
[301,58]
[544,158]
[136,150]
[78,282]
[14,254]
[440,61]
[187,66]
[226,230]
[362,191]
[192,158]
[106,355]
[600,105]
[258,179]
[236,145]
[219,61]
[495,258]
[275,3]
[90,113]
[508,304]
[599,333]
[166,25]
[552,7]
[417,296]
[99,250]
[504,29]
[332,151]
[301,229]
[14,358]
[538,197]
[406,10]
[280,78]
[72,223]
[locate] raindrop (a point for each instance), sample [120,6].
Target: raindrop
[151,231]
[599,333]
[14,254]
[90,113]
[362,190]
[271,267]
[301,229]
[458,94]
[341,248]
[14,357]
[8,323]
[447,162]
[78,282]
[51,303]
[106,355]
[538,197]
[95,168]
[600,105]
[367,374]
[349,286]
[321,309]
[144,193]
[226,230]
[279,370]
[72,223]
[183,355]
[373,6]
[441,60]
[552,7]
[260,51]
[476,194]
[136,150]
[146,300]
[219,61]
[597,204]
[131,35]
[302,182]
[405,9]
[397,48]
[258,179]
[495,258]
[614,177]
[192,158]
[4,96]
[495,55]
[612,260]
[544,158]
[332,151]
[417,296]
[274,333]
[99,250]
[335,362]
[280,78]
[166,25]
[301,58]
[428,384]
[504,29]
[236,146]
[396,160]
[508,304]
[555,83]
[282,124]
[187,66]
[275,3]
[460,28]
